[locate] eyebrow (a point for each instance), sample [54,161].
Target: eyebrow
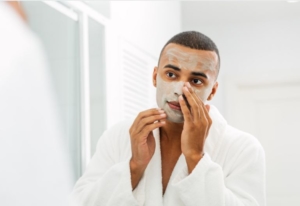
[178,69]
[201,74]
[172,67]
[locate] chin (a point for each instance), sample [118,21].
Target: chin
[177,120]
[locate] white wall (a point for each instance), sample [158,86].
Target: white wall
[148,24]
[103,7]
[145,25]
[253,37]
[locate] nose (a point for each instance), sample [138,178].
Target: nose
[178,88]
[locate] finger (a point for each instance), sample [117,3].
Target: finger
[203,114]
[149,120]
[191,100]
[197,101]
[185,110]
[207,108]
[150,127]
[193,93]
[149,112]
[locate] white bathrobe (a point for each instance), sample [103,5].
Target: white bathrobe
[231,173]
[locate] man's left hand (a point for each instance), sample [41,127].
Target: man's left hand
[196,126]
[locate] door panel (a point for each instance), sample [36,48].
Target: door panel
[269,109]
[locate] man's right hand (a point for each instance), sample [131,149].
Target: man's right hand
[142,141]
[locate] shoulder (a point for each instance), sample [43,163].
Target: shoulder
[118,134]
[240,139]
[115,141]
[118,131]
[230,139]
[242,149]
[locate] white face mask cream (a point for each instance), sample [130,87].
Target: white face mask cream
[169,91]
[189,61]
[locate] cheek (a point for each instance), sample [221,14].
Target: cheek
[202,94]
[164,87]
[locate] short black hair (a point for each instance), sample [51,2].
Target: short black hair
[194,40]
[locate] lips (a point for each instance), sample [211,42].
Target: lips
[174,105]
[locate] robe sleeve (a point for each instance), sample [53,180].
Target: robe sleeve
[207,184]
[107,180]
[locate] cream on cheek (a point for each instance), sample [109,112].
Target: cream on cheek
[189,62]
[168,92]
[202,94]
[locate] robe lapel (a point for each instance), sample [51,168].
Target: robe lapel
[153,176]
[211,147]
[153,173]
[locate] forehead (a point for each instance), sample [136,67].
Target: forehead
[187,58]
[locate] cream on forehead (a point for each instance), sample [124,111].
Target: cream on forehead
[188,60]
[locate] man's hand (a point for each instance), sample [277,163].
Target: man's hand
[196,126]
[142,141]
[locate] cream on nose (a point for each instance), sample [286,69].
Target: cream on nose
[178,88]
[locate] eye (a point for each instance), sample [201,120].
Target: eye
[196,81]
[171,75]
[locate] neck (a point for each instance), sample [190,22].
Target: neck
[171,132]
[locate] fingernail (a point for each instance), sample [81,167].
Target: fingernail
[161,111]
[163,115]
[180,98]
[188,85]
[186,89]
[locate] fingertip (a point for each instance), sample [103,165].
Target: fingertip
[186,89]
[180,98]
[188,85]
[207,107]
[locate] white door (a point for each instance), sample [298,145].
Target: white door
[269,108]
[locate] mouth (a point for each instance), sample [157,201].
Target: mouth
[174,105]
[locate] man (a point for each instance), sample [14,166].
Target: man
[35,169]
[183,153]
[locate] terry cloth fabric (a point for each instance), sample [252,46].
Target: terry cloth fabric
[231,173]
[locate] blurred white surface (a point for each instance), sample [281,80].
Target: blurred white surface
[60,36]
[35,169]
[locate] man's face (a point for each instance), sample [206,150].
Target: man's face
[179,64]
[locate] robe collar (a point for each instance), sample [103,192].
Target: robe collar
[151,183]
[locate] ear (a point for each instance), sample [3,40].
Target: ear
[213,91]
[154,76]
